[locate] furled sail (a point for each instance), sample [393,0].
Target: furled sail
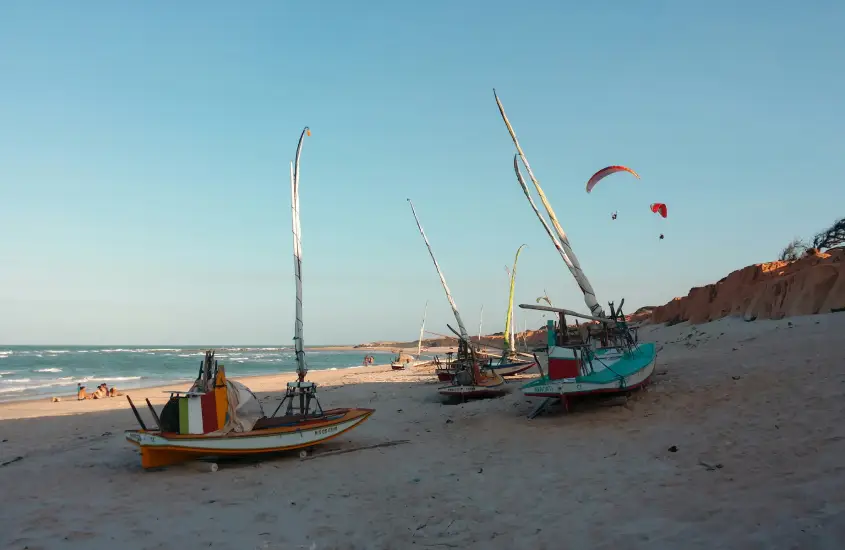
[509,340]
[422,330]
[298,344]
[463,330]
[561,242]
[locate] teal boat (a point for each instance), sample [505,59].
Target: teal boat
[575,368]
[606,360]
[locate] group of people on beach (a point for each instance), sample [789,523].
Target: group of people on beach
[102,391]
[368,360]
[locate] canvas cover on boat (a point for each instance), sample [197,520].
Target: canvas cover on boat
[244,408]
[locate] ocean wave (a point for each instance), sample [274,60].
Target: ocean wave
[57,351]
[48,370]
[52,384]
[17,381]
[117,378]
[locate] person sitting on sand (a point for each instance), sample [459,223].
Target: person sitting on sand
[113,392]
[102,392]
[80,392]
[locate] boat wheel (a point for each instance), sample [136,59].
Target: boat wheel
[303,453]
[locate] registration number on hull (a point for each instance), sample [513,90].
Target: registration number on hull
[324,431]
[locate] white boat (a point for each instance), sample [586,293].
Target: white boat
[468,379]
[511,367]
[398,364]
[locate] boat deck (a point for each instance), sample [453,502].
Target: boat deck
[624,366]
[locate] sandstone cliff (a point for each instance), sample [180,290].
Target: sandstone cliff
[812,284]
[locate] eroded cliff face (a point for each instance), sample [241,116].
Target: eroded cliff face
[774,290]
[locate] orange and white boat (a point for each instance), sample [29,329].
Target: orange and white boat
[219,417]
[161,449]
[228,419]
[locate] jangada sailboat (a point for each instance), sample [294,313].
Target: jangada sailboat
[510,362]
[470,378]
[218,416]
[399,364]
[612,362]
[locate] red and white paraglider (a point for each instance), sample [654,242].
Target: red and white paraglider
[661,209]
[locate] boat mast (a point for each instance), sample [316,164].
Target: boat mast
[562,242]
[509,322]
[422,329]
[298,344]
[463,330]
[480,323]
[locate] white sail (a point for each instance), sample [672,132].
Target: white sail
[562,242]
[298,344]
[422,330]
[480,323]
[461,328]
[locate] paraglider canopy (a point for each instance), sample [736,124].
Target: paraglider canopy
[604,172]
[659,208]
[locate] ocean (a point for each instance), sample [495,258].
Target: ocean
[28,372]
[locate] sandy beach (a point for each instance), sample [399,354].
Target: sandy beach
[752,410]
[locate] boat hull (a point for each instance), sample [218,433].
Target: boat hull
[163,449]
[624,374]
[409,364]
[484,385]
[469,392]
[510,369]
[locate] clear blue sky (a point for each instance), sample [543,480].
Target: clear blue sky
[144,148]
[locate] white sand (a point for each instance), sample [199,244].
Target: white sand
[763,399]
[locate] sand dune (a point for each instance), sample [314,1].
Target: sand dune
[753,409]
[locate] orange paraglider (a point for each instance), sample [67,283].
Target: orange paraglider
[604,172]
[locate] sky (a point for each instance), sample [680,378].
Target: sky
[144,150]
